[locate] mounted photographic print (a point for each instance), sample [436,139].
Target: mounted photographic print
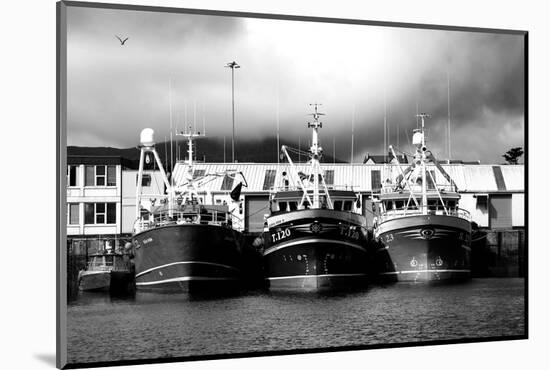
[236,184]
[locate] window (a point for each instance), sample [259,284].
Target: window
[111,176]
[338,205]
[111,213]
[72,172]
[282,206]
[227,183]
[74,210]
[375,182]
[145,179]
[99,213]
[89,211]
[482,202]
[269,179]
[399,204]
[220,217]
[293,206]
[90,176]
[198,173]
[347,205]
[100,176]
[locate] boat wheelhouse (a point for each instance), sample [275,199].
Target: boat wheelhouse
[107,271]
[423,234]
[315,235]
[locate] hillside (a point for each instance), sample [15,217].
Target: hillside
[208,150]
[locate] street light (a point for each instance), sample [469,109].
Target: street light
[233,65]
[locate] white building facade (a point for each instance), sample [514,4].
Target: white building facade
[94,190]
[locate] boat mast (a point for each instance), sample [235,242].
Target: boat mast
[148,146]
[422,154]
[191,135]
[316,153]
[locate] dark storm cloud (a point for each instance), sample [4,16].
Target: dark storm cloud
[486,98]
[114,91]
[124,87]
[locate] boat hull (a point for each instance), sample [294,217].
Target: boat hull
[188,258]
[423,248]
[314,250]
[98,281]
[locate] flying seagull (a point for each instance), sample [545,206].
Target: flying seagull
[121,40]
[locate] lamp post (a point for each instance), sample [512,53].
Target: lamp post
[233,65]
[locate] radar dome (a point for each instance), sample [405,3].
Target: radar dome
[417,138]
[147,137]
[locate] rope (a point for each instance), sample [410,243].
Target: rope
[402,152]
[297,151]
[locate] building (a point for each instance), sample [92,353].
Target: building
[101,191]
[493,194]
[94,195]
[384,159]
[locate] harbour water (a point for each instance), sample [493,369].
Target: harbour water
[152,325]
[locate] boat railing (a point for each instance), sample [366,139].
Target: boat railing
[100,266]
[276,189]
[417,189]
[178,217]
[432,210]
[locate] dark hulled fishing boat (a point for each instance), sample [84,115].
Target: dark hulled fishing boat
[185,244]
[423,235]
[315,236]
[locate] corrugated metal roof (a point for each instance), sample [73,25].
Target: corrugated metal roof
[513,177]
[471,178]
[479,178]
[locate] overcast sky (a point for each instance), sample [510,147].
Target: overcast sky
[114,91]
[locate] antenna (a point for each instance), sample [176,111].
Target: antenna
[449,117]
[352,127]
[203,121]
[299,149]
[385,129]
[397,133]
[171,128]
[417,112]
[185,121]
[178,154]
[422,117]
[333,150]
[166,150]
[191,136]
[278,144]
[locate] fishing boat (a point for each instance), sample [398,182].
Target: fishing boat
[422,233]
[107,271]
[315,236]
[185,244]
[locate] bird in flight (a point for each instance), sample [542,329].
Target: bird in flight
[121,40]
